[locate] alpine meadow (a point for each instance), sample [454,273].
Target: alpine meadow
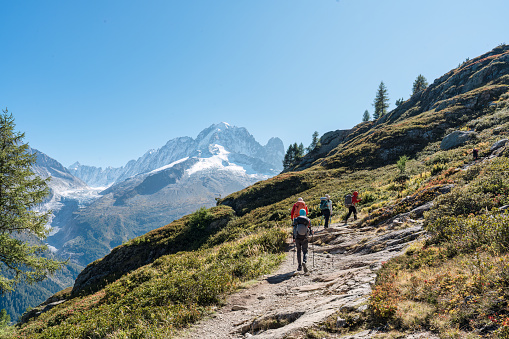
[426,257]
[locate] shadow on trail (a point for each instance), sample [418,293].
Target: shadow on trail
[276,279]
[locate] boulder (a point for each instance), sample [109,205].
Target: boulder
[498,144]
[456,139]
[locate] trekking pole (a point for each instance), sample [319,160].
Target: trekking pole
[313,248]
[293,261]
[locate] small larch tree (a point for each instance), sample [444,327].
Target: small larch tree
[420,84]
[315,142]
[293,155]
[381,102]
[366,116]
[21,227]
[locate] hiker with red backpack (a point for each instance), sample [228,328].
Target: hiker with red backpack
[350,201]
[301,231]
[300,204]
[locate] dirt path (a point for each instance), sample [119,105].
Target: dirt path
[343,261]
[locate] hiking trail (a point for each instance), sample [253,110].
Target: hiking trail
[346,259]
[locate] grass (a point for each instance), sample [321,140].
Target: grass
[164,296]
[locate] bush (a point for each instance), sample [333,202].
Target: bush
[200,219]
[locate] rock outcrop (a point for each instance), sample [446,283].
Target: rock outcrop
[456,139]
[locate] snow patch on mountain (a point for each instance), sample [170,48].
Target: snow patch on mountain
[168,166]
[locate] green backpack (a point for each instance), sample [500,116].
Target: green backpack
[323,204]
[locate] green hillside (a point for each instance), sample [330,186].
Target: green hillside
[454,283]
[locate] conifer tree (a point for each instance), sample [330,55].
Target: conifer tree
[293,155]
[366,116]
[381,102]
[399,102]
[420,84]
[315,142]
[20,225]
[299,153]
[289,158]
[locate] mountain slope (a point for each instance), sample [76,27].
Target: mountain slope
[172,290]
[67,194]
[455,98]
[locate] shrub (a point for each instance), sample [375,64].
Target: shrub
[437,168]
[200,219]
[383,303]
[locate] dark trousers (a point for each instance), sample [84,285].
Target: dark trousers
[351,210]
[326,215]
[302,246]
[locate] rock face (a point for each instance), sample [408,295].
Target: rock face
[456,139]
[328,142]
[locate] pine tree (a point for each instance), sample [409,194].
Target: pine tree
[366,116]
[20,226]
[420,84]
[293,156]
[289,158]
[299,153]
[399,102]
[315,142]
[381,102]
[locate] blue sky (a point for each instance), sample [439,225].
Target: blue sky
[102,82]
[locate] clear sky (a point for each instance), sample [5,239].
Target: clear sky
[103,81]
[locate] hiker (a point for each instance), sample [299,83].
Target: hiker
[301,231]
[475,153]
[300,204]
[350,201]
[326,208]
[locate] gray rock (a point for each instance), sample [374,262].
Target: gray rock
[419,211]
[456,139]
[498,130]
[498,144]
[340,322]
[238,308]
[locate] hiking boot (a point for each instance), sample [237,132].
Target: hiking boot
[305,268]
[299,268]
[355,218]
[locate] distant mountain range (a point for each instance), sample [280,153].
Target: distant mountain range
[96,209]
[242,149]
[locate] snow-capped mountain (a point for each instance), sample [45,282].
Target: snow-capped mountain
[243,150]
[161,186]
[67,193]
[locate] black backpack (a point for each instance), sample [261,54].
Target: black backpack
[348,200]
[301,231]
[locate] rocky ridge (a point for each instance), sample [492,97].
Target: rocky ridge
[459,95]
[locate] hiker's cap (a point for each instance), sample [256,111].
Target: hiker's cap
[302,212]
[327,196]
[300,199]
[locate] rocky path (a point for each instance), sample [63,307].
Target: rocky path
[343,261]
